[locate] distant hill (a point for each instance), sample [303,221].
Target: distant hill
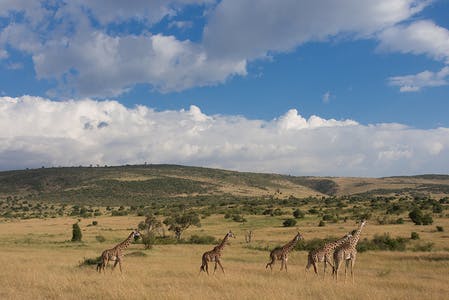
[139,183]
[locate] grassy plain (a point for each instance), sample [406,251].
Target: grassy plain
[38,261]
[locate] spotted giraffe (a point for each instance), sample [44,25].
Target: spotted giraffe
[281,253]
[115,254]
[214,255]
[348,252]
[324,254]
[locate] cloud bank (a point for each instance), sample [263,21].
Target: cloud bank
[39,132]
[74,44]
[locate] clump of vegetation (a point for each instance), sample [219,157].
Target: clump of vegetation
[76,233]
[150,226]
[179,223]
[94,223]
[289,223]
[414,235]
[440,228]
[100,238]
[417,216]
[89,261]
[298,214]
[382,242]
[322,223]
[205,239]
[238,218]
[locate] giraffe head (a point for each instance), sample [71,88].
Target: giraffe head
[230,234]
[136,234]
[298,237]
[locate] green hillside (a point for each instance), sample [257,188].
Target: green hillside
[142,184]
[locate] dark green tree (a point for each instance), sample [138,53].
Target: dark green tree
[416,216]
[179,223]
[76,233]
[298,214]
[149,226]
[289,223]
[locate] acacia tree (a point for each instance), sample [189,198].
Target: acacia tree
[179,223]
[150,226]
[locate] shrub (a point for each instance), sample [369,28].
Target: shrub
[427,219]
[89,261]
[289,223]
[416,216]
[440,228]
[382,242]
[100,238]
[298,214]
[94,223]
[238,218]
[414,235]
[400,221]
[76,233]
[322,223]
[205,239]
[423,247]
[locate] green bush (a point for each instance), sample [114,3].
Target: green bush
[238,218]
[289,223]
[100,238]
[89,261]
[94,223]
[205,239]
[427,219]
[414,235]
[440,228]
[298,214]
[382,242]
[76,233]
[322,223]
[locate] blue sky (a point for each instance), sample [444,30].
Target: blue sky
[355,66]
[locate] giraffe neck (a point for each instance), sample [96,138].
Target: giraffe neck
[223,243]
[338,243]
[290,245]
[126,242]
[356,236]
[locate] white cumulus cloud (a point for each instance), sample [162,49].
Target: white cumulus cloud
[72,43]
[414,83]
[36,131]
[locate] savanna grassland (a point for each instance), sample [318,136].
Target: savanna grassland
[397,259]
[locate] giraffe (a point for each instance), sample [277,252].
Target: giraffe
[249,236]
[324,254]
[347,252]
[215,254]
[115,254]
[281,253]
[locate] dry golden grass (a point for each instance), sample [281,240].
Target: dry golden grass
[38,263]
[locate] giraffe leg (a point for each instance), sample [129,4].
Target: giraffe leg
[314,268]
[207,268]
[215,267]
[219,263]
[285,264]
[324,271]
[282,265]
[346,268]
[352,266]
[337,267]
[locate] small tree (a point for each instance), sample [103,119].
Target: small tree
[76,233]
[150,226]
[416,216]
[179,223]
[298,214]
[289,223]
